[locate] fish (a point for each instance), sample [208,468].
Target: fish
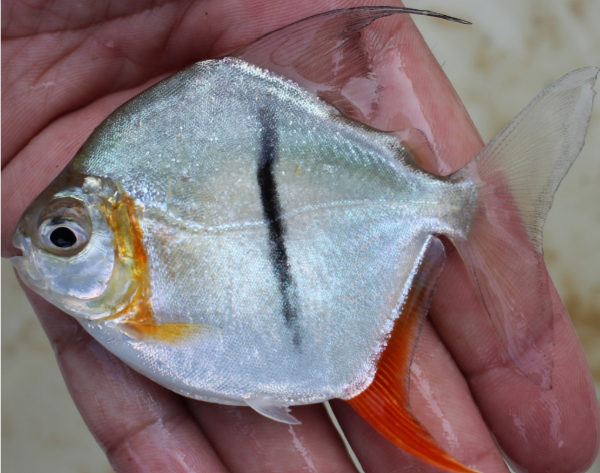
[239,235]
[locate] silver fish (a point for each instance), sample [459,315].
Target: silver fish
[238,240]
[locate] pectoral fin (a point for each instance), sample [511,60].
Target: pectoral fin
[272,409]
[385,403]
[165,332]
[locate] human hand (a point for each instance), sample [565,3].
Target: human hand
[66,68]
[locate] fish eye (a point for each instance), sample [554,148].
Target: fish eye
[64,228]
[63,237]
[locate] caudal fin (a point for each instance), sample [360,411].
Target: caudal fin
[517,175]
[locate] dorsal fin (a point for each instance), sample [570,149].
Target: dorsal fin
[385,403]
[329,55]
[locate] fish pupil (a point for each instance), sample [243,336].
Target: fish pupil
[63,237]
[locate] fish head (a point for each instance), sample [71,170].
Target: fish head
[77,247]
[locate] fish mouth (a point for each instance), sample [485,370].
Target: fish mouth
[25,264]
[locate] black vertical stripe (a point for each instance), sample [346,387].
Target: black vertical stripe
[273,215]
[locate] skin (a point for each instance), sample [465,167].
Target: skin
[67,66]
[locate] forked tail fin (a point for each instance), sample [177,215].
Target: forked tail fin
[517,175]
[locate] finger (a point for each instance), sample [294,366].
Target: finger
[415,93]
[50,72]
[539,430]
[440,399]
[249,442]
[140,426]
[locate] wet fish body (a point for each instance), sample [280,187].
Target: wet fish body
[267,230]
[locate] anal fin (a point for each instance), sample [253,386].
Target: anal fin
[272,409]
[385,403]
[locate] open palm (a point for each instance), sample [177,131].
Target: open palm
[67,65]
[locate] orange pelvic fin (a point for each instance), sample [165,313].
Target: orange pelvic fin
[385,403]
[165,332]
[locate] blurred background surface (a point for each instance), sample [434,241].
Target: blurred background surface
[513,50]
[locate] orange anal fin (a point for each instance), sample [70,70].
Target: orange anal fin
[385,403]
[164,332]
